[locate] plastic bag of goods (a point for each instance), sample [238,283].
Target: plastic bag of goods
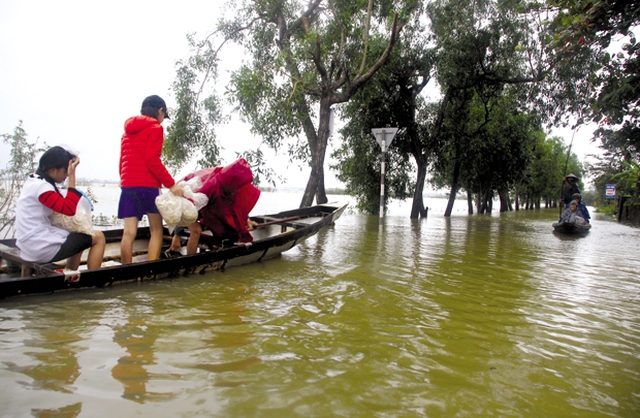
[200,200]
[176,210]
[80,222]
[182,211]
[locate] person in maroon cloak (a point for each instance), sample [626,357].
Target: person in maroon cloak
[232,196]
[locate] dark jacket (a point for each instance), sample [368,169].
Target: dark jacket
[568,192]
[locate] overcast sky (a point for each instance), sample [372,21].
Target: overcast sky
[74,71]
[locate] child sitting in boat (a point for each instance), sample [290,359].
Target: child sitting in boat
[39,241]
[582,208]
[573,215]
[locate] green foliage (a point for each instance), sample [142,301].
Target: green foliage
[543,177]
[255,159]
[602,171]
[278,90]
[501,80]
[604,31]
[91,196]
[628,181]
[359,169]
[607,207]
[499,146]
[391,99]
[269,108]
[588,197]
[22,162]
[301,58]
[615,166]
[359,172]
[485,132]
[192,128]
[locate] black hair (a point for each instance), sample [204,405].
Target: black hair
[150,111]
[55,157]
[151,105]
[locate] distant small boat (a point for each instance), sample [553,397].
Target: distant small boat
[569,228]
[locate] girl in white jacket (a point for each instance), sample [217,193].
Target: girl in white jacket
[38,240]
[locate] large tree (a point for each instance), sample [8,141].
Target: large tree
[606,29]
[501,151]
[479,50]
[393,99]
[302,59]
[484,47]
[542,180]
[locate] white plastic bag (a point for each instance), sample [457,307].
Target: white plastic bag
[182,211]
[200,200]
[80,222]
[176,210]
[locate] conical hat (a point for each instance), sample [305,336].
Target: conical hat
[572,175]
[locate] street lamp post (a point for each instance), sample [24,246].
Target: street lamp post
[383,136]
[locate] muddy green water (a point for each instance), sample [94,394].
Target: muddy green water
[463,317]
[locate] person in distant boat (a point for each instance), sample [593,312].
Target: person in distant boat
[569,187]
[582,208]
[39,241]
[141,176]
[232,196]
[572,215]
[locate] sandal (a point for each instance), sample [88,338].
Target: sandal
[170,254]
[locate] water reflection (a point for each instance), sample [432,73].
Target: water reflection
[137,338]
[53,364]
[461,316]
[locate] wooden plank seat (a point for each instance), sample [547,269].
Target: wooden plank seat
[27,268]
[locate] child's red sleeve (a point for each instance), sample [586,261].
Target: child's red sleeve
[58,203]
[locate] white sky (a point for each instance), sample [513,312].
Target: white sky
[74,71]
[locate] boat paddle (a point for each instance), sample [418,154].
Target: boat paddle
[277,221]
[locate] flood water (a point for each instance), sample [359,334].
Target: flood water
[470,316]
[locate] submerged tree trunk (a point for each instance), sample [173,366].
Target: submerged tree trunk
[417,208]
[504,201]
[486,204]
[454,188]
[470,202]
[315,184]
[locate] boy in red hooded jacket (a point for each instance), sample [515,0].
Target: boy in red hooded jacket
[142,174]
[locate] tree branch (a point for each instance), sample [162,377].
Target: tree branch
[366,38]
[361,79]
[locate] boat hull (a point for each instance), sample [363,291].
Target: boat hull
[566,228]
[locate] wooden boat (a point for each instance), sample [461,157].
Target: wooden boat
[275,234]
[568,228]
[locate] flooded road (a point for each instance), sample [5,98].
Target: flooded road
[465,317]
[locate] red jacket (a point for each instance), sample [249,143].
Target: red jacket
[231,198]
[140,149]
